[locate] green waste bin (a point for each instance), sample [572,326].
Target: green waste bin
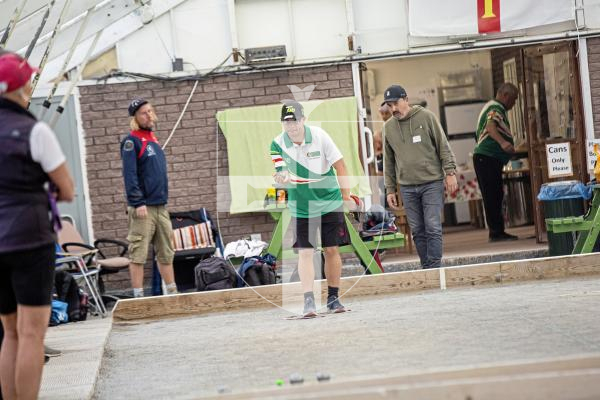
[560,200]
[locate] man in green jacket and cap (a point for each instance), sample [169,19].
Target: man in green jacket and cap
[418,160]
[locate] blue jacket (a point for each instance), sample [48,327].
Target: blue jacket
[144,170]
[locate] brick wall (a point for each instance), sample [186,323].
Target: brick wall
[191,158]
[594,65]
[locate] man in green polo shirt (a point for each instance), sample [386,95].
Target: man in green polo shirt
[305,158]
[495,145]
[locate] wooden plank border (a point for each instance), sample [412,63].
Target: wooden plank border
[188,304]
[477,381]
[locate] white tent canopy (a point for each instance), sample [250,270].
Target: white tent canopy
[204,32]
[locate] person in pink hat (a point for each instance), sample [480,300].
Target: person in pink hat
[30,159]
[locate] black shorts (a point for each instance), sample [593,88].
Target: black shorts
[332,227]
[26,278]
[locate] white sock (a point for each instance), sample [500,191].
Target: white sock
[171,288]
[138,292]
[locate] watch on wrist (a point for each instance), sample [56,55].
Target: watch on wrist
[451,173]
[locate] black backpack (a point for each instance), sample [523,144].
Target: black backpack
[214,273]
[260,274]
[68,291]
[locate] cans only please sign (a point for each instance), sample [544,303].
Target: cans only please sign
[559,159]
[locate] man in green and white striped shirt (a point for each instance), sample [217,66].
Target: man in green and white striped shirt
[495,145]
[308,161]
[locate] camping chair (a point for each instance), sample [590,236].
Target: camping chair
[93,258]
[76,265]
[100,253]
[110,265]
[80,260]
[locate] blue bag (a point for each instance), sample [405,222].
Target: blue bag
[59,314]
[564,190]
[58,250]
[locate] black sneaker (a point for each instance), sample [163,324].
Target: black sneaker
[334,305]
[310,309]
[50,352]
[502,237]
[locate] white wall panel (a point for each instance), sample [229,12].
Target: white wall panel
[313,29]
[380,25]
[143,51]
[321,28]
[202,33]
[592,13]
[263,23]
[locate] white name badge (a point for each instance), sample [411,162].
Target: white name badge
[417,139]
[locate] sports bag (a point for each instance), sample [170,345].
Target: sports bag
[214,273]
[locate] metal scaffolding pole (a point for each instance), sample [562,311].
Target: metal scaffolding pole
[40,29]
[74,81]
[48,101]
[44,59]
[12,23]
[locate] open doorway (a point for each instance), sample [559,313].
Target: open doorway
[454,86]
[548,79]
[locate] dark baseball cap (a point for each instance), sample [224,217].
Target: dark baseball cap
[292,110]
[135,105]
[394,93]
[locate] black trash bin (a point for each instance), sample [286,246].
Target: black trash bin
[559,200]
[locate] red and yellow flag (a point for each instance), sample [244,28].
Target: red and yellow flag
[488,16]
[469,17]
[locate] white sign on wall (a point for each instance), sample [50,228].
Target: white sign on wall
[559,159]
[591,156]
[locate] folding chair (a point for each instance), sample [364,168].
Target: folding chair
[100,254]
[110,265]
[80,259]
[71,263]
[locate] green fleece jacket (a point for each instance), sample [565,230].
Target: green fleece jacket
[416,150]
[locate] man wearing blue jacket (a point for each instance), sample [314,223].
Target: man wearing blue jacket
[147,189]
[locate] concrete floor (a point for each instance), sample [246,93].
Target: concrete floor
[463,245]
[466,245]
[72,375]
[194,357]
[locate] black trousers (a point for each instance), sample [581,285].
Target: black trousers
[489,176]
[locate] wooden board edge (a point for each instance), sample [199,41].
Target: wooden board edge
[198,303]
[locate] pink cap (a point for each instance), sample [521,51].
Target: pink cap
[14,72]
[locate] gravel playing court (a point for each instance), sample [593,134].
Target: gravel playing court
[385,335]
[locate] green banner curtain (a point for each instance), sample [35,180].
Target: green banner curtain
[249,132]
